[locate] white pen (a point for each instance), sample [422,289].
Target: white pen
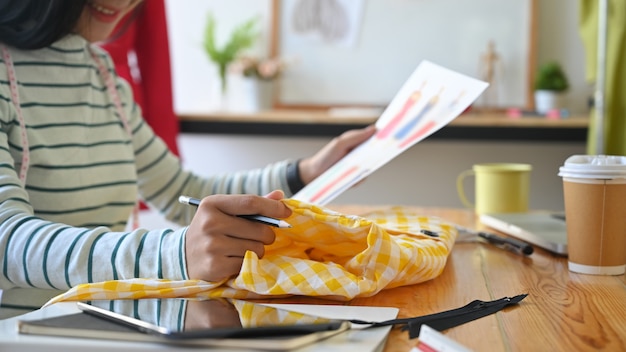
[255,217]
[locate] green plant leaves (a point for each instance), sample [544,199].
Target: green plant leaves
[551,77]
[242,37]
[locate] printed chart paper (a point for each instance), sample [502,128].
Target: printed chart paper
[431,98]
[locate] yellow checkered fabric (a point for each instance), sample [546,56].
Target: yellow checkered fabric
[324,254]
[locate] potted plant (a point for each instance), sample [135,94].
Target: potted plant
[252,84]
[550,84]
[242,37]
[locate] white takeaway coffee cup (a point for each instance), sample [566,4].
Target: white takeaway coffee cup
[594,190]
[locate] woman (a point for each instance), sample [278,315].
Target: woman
[75,155]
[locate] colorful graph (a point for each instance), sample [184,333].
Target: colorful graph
[431,98]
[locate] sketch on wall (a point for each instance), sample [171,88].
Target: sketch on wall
[334,22]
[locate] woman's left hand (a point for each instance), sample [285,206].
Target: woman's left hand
[332,152]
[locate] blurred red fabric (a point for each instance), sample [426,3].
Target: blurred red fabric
[147,37]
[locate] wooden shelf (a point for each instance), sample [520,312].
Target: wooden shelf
[282,116]
[476,126]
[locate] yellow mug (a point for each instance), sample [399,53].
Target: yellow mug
[499,187]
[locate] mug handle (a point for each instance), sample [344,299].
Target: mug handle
[461,190]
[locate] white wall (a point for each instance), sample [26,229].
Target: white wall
[196,83]
[423,175]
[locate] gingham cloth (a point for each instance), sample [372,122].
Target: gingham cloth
[325,254]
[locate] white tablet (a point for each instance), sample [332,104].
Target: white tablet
[212,323]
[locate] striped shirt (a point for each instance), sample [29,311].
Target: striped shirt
[65,226]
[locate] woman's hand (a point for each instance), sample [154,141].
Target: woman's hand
[332,152]
[217,239]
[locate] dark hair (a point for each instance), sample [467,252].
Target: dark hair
[34,24]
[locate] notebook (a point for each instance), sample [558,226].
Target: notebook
[544,230]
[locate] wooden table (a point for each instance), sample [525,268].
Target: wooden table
[564,311]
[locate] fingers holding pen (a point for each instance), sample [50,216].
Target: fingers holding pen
[217,239]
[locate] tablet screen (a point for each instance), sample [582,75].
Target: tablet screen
[215,318]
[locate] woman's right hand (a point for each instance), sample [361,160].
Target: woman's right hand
[217,240]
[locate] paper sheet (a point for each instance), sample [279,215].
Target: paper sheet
[431,98]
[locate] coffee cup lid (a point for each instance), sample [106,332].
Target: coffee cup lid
[594,166]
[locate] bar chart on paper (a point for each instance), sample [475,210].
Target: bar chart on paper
[431,98]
